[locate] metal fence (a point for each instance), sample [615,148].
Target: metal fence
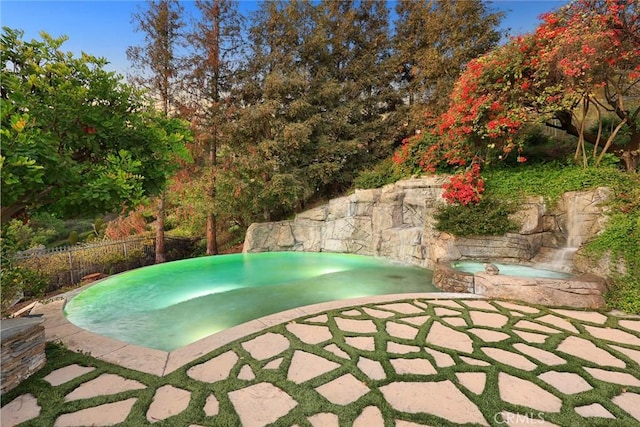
[67,265]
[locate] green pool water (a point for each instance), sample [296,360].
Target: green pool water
[170,305]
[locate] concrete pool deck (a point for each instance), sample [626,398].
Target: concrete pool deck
[403,360]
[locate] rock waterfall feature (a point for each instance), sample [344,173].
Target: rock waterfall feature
[396,222]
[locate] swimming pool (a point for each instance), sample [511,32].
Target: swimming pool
[170,305]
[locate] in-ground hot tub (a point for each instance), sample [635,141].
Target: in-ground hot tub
[521,282]
[170,305]
[509,269]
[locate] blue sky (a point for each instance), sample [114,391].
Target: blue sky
[103,28]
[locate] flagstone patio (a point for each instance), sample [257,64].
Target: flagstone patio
[403,360]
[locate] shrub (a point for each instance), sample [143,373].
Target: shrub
[488,217]
[465,188]
[73,237]
[385,172]
[15,279]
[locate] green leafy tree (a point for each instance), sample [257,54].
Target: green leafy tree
[76,140]
[582,60]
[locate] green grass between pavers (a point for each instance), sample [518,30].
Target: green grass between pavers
[309,402]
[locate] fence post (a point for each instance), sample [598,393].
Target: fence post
[71,268]
[124,244]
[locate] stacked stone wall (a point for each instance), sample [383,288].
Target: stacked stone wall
[23,345]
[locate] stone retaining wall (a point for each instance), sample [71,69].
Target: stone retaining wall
[396,222]
[392,222]
[23,353]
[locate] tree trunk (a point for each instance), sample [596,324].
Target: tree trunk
[160,256]
[212,243]
[631,159]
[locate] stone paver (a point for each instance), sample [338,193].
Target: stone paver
[443,311]
[531,337]
[559,322]
[586,316]
[371,368]
[630,353]
[394,347]
[402,307]
[214,370]
[621,378]
[362,343]
[305,366]
[66,374]
[324,419]
[587,350]
[488,335]
[518,307]
[446,337]
[634,325]
[526,324]
[167,402]
[492,320]
[370,417]
[443,360]
[474,381]
[448,373]
[522,392]
[246,373]
[211,406]
[19,410]
[261,404]
[454,321]
[351,313]
[441,398]
[416,320]
[630,402]
[541,355]
[323,318]
[380,314]
[353,325]
[594,410]
[274,364]
[480,304]
[399,330]
[108,414]
[412,366]
[566,382]
[266,346]
[343,390]
[616,335]
[474,362]
[403,423]
[509,358]
[452,303]
[104,385]
[337,351]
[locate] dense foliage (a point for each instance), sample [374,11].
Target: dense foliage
[582,63]
[313,95]
[75,139]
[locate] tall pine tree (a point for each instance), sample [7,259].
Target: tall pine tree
[159,66]
[216,45]
[433,42]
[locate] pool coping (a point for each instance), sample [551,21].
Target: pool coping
[161,363]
